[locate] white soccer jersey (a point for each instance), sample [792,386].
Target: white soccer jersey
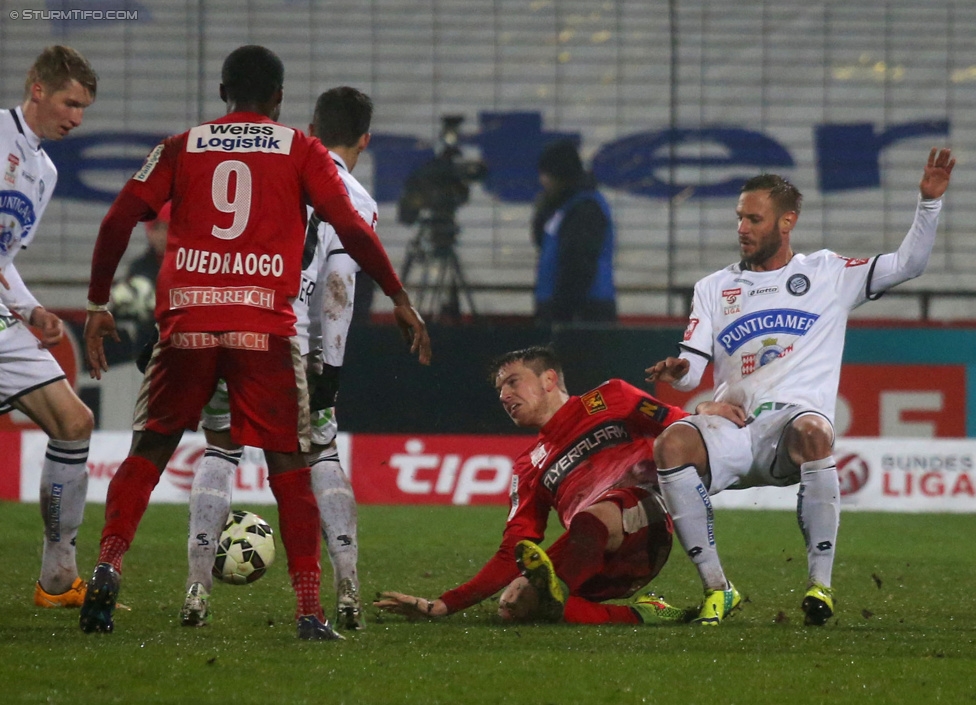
[28,181]
[778,337]
[329,279]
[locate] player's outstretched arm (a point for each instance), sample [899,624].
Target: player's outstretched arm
[935,178]
[98,324]
[668,370]
[412,326]
[410,606]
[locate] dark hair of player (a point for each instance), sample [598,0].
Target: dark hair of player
[251,74]
[56,66]
[785,195]
[537,358]
[342,115]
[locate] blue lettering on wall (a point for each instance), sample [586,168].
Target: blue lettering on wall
[848,157]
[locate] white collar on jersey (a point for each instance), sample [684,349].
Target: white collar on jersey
[338,161]
[33,140]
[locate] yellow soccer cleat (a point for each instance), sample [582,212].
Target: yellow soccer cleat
[74,596]
[818,605]
[535,565]
[718,605]
[653,610]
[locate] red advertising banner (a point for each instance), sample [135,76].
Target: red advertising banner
[405,469]
[920,401]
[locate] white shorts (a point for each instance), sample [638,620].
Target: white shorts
[752,456]
[216,417]
[24,366]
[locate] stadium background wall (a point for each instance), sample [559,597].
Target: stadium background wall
[844,98]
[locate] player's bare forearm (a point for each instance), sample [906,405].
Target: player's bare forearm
[410,606]
[48,325]
[98,325]
[668,370]
[935,178]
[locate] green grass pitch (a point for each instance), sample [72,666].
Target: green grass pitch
[904,630]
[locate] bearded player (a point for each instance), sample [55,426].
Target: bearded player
[773,324]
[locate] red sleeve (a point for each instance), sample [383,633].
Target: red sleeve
[329,198]
[649,412]
[527,520]
[113,238]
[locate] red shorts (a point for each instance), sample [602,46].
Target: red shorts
[648,533]
[265,383]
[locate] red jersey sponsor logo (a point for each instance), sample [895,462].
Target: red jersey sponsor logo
[593,402]
[188,296]
[147,167]
[855,261]
[239,340]
[653,411]
[237,137]
[690,330]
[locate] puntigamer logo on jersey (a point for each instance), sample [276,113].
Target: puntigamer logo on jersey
[240,137]
[783,320]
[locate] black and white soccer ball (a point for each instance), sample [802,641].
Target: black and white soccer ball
[246,548]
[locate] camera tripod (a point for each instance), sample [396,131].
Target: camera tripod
[442,284]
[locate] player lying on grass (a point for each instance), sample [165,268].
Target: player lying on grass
[591,463]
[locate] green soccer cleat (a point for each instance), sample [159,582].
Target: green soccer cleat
[100,596]
[653,610]
[818,605]
[349,609]
[195,607]
[718,605]
[535,565]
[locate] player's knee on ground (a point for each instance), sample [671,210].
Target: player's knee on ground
[518,602]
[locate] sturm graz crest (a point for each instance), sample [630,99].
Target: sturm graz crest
[798,284]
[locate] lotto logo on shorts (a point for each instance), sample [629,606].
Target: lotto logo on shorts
[239,340]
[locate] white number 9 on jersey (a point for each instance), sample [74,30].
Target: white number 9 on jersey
[240,206]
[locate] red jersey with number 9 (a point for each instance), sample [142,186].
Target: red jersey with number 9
[238,187]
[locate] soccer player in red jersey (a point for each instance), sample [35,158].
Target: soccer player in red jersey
[592,463]
[238,187]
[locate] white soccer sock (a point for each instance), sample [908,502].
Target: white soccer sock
[691,511]
[337,511]
[818,513]
[209,507]
[64,488]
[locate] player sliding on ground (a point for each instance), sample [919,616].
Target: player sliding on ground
[592,464]
[774,325]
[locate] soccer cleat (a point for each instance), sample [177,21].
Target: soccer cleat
[349,609]
[653,610]
[818,605]
[535,565]
[74,596]
[718,605]
[195,611]
[99,605]
[311,628]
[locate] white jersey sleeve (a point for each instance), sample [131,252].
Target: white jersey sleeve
[28,181]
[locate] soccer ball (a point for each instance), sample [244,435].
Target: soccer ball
[245,550]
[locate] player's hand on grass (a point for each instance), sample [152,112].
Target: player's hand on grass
[98,324]
[668,370]
[935,178]
[410,606]
[412,326]
[734,413]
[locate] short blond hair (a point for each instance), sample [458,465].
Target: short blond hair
[56,66]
